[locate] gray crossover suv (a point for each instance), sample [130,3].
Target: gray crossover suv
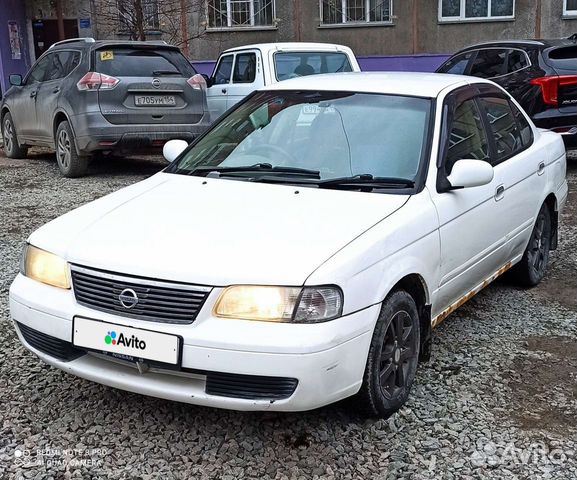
[84,96]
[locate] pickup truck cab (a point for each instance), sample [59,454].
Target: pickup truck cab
[242,70]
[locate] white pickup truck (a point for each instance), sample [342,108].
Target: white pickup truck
[242,70]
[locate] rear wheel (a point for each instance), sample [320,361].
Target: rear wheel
[393,358]
[531,269]
[70,163]
[11,147]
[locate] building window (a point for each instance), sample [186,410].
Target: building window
[128,15]
[570,7]
[345,12]
[469,10]
[240,13]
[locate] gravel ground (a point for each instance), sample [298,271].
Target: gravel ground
[497,400]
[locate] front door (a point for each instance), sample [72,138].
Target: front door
[247,76]
[472,225]
[25,99]
[217,94]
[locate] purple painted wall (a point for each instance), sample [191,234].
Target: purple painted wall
[12,11]
[396,63]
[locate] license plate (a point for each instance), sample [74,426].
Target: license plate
[126,342]
[155,100]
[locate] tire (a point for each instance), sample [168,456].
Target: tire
[70,163]
[393,358]
[531,269]
[11,147]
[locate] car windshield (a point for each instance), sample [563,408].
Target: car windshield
[324,136]
[299,64]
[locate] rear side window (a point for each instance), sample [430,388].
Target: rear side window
[504,128]
[223,70]
[144,62]
[300,64]
[489,63]
[517,60]
[523,125]
[61,64]
[244,68]
[457,65]
[467,139]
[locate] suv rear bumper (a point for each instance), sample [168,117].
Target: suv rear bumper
[560,121]
[93,133]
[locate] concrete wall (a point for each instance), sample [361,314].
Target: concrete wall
[12,11]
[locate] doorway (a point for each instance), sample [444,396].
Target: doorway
[45,33]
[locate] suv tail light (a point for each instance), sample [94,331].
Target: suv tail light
[96,81]
[197,82]
[550,87]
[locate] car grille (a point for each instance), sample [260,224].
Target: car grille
[165,302]
[55,347]
[249,386]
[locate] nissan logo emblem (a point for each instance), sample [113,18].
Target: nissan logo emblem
[156,83]
[128,298]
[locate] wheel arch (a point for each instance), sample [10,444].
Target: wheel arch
[415,285]
[59,117]
[553,206]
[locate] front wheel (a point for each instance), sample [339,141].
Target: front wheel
[393,358]
[70,163]
[531,269]
[11,147]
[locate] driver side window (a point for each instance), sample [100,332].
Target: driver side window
[223,70]
[467,136]
[38,72]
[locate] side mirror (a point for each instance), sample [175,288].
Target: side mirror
[173,148]
[15,79]
[470,173]
[209,81]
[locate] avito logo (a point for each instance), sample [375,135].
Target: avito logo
[112,338]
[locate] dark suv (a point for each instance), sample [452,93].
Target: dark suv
[84,96]
[540,74]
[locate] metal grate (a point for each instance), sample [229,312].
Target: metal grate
[55,347]
[157,301]
[249,386]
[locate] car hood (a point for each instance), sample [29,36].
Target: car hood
[214,231]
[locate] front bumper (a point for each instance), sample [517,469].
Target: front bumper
[327,360]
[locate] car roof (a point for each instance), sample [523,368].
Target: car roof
[395,83]
[89,43]
[540,43]
[291,46]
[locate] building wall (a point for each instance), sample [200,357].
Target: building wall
[12,11]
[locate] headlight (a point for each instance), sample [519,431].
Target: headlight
[280,304]
[45,267]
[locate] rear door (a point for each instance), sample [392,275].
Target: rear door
[61,63]
[152,86]
[217,94]
[247,76]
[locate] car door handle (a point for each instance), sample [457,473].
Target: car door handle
[224,90]
[541,169]
[56,90]
[499,192]
[33,94]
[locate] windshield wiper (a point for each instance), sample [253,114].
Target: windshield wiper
[257,167]
[367,180]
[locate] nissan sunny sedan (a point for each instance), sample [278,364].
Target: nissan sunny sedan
[303,249]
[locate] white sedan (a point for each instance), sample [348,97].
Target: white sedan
[303,249]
